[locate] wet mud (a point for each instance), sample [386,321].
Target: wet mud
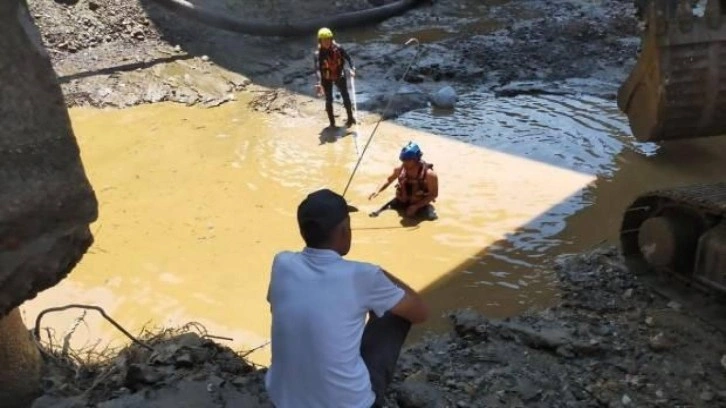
[107,52]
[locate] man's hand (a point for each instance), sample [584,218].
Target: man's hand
[412,209]
[319,90]
[352,72]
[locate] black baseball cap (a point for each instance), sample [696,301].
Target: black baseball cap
[320,212]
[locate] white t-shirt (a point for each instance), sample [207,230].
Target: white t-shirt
[319,304]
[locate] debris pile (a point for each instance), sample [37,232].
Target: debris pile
[610,342]
[181,367]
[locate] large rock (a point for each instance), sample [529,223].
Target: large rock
[46,201]
[445,98]
[418,393]
[406,98]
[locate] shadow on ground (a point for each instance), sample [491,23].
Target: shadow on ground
[527,281]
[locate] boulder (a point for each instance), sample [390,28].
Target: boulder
[445,98]
[46,200]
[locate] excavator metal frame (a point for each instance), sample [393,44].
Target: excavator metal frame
[677,90]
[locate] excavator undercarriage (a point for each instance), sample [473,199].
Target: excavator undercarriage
[680,232]
[677,90]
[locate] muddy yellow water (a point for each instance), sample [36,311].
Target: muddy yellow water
[195,202]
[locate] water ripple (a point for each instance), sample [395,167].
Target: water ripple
[581,134]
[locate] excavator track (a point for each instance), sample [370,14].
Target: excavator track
[681,232]
[677,89]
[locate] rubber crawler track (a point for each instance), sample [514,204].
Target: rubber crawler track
[705,203]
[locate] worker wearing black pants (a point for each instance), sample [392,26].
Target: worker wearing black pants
[342,85]
[383,338]
[330,59]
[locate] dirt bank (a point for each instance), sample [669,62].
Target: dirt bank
[610,341]
[116,53]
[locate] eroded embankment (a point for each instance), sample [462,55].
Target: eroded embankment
[611,341]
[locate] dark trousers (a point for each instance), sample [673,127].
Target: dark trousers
[428,211]
[342,86]
[381,345]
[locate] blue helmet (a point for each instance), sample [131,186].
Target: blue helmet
[410,152]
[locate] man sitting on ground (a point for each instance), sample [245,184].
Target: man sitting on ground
[324,354]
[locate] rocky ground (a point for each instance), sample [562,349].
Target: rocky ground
[610,342]
[122,53]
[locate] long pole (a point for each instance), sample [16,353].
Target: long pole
[355,115]
[383,115]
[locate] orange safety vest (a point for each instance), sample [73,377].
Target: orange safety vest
[332,64]
[413,187]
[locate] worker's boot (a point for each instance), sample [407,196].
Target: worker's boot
[329,111]
[431,213]
[351,119]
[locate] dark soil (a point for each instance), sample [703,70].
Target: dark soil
[123,53]
[611,341]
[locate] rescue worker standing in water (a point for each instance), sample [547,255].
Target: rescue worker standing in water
[330,59]
[418,184]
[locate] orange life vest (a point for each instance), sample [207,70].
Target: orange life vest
[409,187]
[331,64]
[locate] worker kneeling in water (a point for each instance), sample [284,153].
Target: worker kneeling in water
[418,184]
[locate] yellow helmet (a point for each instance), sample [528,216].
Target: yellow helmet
[324,33]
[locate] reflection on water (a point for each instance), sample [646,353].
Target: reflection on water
[581,134]
[195,202]
[466,18]
[585,134]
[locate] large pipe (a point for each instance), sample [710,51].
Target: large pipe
[343,20]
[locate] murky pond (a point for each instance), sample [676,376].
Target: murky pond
[195,202]
[584,134]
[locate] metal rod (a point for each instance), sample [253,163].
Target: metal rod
[355,115]
[383,115]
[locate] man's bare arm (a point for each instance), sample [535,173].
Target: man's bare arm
[388,182]
[412,306]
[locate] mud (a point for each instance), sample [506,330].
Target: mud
[609,341]
[108,52]
[181,367]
